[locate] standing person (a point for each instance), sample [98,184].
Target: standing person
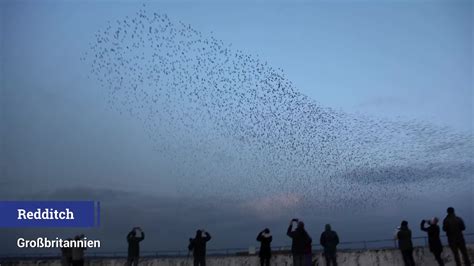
[329,240]
[66,255]
[77,255]
[134,238]
[308,254]
[433,238]
[300,241]
[198,246]
[265,253]
[454,226]
[404,244]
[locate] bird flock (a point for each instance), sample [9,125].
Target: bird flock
[236,126]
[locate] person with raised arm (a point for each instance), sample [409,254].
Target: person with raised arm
[198,246]
[434,241]
[300,241]
[265,253]
[134,238]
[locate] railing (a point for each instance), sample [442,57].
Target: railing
[421,241]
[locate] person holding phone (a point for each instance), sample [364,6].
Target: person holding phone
[433,238]
[300,241]
[265,253]
[134,238]
[198,246]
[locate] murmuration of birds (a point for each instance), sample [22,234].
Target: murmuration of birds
[236,126]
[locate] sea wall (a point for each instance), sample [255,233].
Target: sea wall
[385,257]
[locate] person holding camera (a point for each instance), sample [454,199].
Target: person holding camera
[265,253]
[198,246]
[300,241]
[134,238]
[433,238]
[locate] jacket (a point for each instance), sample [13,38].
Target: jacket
[265,248]
[300,238]
[433,237]
[329,240]
[454,226]
[134,244]
[404,239]
[198,245]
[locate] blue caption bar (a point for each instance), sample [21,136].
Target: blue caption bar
[49,214]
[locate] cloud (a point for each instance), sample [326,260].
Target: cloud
[409,174]
[273,206]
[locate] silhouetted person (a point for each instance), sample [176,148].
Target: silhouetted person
[329,240]
[454,226]
[198,246]
[66,255]
[134,238]
[300,242]
[77,255]
[308,254]
[433,238]
[405,245]
[265,253]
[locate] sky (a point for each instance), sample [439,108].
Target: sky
[61,139]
